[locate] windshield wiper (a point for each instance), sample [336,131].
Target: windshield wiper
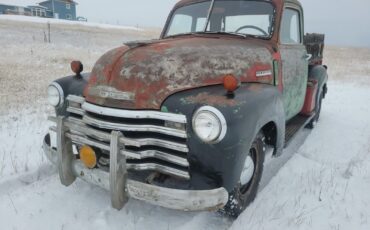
[227,33]
[232,33]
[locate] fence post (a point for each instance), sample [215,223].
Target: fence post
[49,39]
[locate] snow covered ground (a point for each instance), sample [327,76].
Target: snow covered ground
[324,185]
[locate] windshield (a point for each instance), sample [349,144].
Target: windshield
[242,17]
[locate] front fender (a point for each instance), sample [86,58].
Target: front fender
[71,85]
[252,107]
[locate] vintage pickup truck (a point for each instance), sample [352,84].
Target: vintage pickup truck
[186,121]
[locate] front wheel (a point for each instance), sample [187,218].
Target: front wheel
[246,190]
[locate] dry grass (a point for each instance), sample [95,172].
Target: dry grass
[28,64]
[348,64]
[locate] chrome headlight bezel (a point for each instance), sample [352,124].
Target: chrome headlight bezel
[55,94]
[220,121]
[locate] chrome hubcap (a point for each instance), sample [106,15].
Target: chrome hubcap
[248,171]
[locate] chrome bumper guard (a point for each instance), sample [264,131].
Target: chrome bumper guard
[121,188]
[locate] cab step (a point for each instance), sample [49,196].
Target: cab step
[295,125]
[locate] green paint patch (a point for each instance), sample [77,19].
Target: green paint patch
[164,109]
[184,101]
[235,111]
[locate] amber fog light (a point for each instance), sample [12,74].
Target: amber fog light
[88,156]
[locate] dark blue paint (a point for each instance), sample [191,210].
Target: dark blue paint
[60,8]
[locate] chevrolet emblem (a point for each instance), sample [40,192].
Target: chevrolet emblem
[112,93]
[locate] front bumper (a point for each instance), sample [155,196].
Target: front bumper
[121,188]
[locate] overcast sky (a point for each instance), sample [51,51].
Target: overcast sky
[345,22]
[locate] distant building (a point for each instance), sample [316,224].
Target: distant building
[16,10]
[62,9]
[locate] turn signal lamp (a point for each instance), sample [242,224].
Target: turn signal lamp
[231,83]
[88,157]
[77,67]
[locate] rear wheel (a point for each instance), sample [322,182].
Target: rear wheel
[246,190]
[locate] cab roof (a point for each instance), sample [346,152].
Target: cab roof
[186,2]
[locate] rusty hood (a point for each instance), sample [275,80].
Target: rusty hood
[143,75]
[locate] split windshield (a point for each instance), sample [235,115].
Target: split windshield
[241,17]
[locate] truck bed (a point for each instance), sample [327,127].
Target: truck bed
[315,46]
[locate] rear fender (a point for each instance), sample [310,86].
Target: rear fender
[320,74]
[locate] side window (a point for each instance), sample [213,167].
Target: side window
[290,32]
[181,23]
[68,6]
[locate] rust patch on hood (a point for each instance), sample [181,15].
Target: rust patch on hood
[154,71]
[102,71]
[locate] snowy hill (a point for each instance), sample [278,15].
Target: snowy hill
[325,184]
[53,21]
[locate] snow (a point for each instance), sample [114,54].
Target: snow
[324,184]
[54,21]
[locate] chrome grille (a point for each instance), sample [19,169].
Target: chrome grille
[149,144]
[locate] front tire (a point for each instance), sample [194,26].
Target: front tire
[244,194]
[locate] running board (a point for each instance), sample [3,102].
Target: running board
[295,125]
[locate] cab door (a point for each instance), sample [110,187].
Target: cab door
[294,60]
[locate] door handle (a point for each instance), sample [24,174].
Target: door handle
[307,57]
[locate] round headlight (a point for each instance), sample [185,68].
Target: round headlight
[209,124]
[55,94]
